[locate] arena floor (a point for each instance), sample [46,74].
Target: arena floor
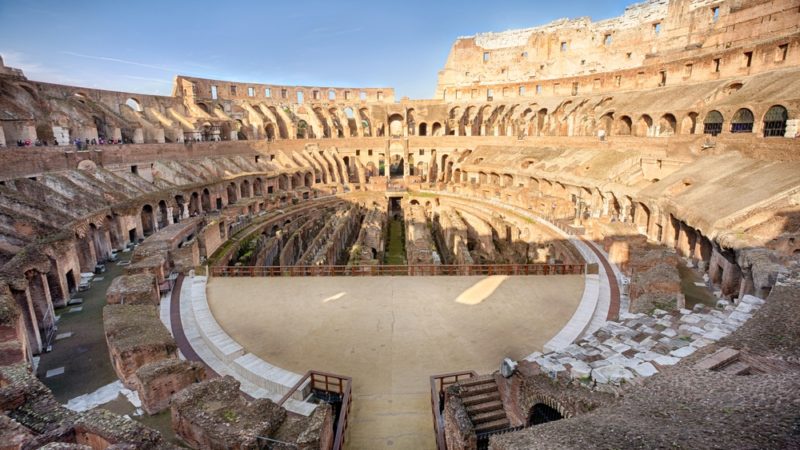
[391,333]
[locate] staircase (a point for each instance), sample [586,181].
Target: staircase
[481,397]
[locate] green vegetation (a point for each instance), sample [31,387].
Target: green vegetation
[246,251]
[395,243]
[229,416]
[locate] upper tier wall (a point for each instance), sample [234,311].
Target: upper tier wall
[33,161]
[646,36]
[202,88]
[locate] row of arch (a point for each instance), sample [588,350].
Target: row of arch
[157,215]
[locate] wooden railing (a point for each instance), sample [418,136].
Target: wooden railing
[328,383]
[394,270]
[438,384]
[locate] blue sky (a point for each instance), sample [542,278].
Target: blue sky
[140,45]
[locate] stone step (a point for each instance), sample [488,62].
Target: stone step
[721,358]
[483,379]
[482,398]
[737,368]
[492,426]
[479,389]
[484,407]
[489,416]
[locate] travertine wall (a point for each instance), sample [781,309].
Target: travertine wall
[649,37]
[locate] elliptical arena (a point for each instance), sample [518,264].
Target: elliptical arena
[588,239]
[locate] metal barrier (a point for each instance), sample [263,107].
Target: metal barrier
[438,385]
[325,386]
[398,270]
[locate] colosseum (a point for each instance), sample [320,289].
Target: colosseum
[589,238]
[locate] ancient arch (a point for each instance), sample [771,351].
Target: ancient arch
[644,126]
[667,125]
[134,104]
[231,189]
[689,123]
[395,125]
[303,130]
[712,124]
[163,214]
[775,121]
[742,121]
[624,126]
[205,200]
[148,220]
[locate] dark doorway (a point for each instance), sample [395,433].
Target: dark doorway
[541,413]
[71,285]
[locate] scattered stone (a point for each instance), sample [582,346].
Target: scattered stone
[645,370]
[54,372]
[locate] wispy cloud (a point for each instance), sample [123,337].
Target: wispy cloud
[121,61]
[154,80]
[33,69]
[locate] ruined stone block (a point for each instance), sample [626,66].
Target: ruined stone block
[135,337]
[214,415]
[158,381]
[139,289]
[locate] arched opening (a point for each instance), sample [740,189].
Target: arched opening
[395,125]
[541,413]
[689,123]
[258,188]
[245,189]
[231,193]
[177,212]
[644,126]
[775,121]
[712,124]
[270,131]
[351,121]
[163,215]
[396,167]
[436,129]
[302,129]
[283,182]
[241,131]
[205,200]
[667,125]
[148,220]
[742,121]
[134,104]
[365,123]
[412,128]
[194,204]
[309,180]
[606,123]
[624,126]
[541,115]
[423,129]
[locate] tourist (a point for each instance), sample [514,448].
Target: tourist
[601,133]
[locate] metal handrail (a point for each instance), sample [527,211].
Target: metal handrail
[332,383]
[438,384]
[399,270]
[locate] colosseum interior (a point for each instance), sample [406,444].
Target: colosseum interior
[589,238]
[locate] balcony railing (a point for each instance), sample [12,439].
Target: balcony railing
[330,388]
[399,270]
[438,385]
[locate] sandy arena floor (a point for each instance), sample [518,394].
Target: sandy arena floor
[391,333]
